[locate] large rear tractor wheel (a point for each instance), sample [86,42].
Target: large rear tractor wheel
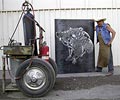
[35,77]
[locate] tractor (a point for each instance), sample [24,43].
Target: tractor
[31,69]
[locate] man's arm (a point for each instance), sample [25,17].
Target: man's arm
[113,33]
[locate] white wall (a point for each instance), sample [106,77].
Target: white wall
[9,19]
[54,4]
[0,4]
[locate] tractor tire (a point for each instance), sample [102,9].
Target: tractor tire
[54,65]
[35,77]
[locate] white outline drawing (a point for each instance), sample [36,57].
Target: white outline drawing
[78,42]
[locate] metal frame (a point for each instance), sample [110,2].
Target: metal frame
[3,74]
[6,87]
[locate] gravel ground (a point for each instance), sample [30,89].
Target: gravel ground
[85,82]
[69,84]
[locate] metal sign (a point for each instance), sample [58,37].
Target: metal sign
[74,45]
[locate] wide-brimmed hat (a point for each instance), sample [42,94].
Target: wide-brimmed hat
[102,19]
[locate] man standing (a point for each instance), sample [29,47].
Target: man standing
[104,38]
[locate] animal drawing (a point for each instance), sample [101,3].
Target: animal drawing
[78,42]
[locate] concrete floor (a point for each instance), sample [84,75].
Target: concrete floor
[79,86]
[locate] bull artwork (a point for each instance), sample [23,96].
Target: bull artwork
[77,41]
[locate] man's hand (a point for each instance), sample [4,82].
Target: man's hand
[109,43]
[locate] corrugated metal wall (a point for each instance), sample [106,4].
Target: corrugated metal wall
[46,17]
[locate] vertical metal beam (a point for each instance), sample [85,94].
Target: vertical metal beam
[3,74]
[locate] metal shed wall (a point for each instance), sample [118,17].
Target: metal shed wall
[60,10]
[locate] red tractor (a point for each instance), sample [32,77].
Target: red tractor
[33,71]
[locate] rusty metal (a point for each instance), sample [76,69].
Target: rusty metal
[17,50]
[5,87]
[15,54]
[34,75]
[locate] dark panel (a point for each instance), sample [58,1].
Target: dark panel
[29,30]
[74,45]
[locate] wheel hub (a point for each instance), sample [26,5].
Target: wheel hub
[34,78]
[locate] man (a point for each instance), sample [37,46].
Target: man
[105,40]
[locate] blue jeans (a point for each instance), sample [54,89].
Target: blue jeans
[110,63]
